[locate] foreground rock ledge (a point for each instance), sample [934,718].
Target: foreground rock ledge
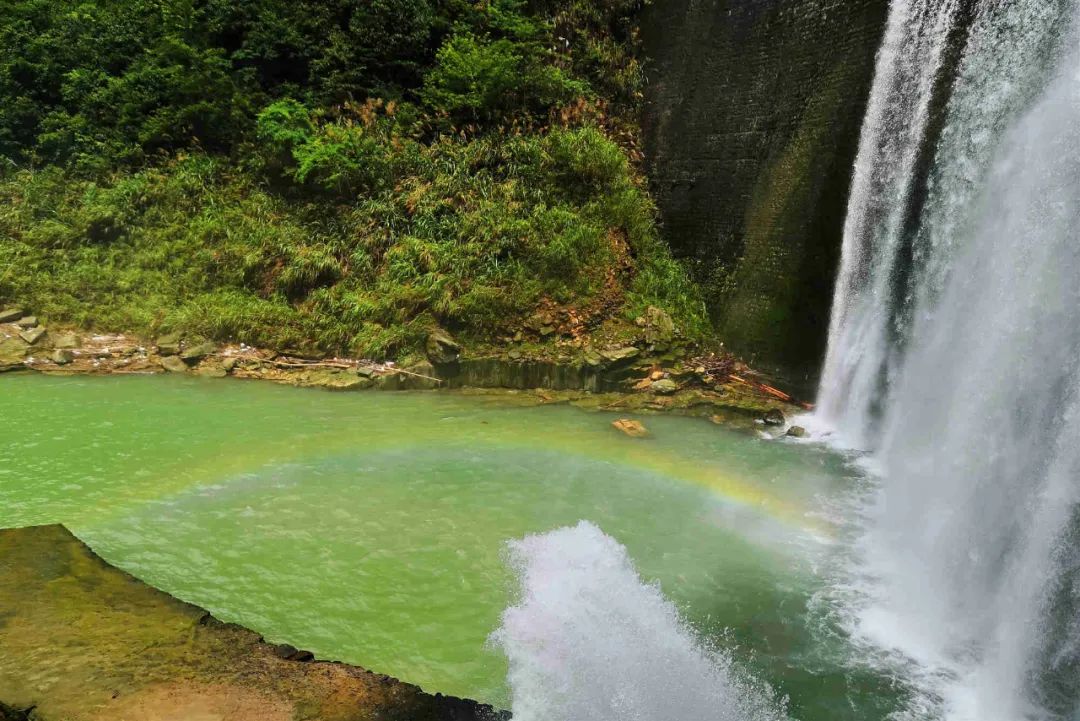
[83,641]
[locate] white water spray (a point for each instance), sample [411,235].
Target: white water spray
[964,376]
[590,641]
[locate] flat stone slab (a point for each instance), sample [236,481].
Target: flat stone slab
[83,641]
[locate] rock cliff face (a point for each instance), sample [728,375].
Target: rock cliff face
[752,124]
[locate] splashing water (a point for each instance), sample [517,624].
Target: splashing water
[967,385]
[590,641]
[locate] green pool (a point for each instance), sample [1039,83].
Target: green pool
[372,528]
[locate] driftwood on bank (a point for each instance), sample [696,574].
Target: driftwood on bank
[287,362]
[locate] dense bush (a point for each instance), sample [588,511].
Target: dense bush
[343,173]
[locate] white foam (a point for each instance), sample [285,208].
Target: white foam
[589,640]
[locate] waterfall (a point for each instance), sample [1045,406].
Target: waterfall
[954,356]
[897,116]
[590,641]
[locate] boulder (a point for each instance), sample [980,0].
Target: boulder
[62,356]
[619,355]
[664,387]
[27,321]
[198,351]
[173,364]
[10,315]
[32,335]
[659,328]
[774,417]
[65,340]
[797,432]
[366,371]
[169,344]
[12,353]
[632,428]
[229,364]
[441,347]
[420,376]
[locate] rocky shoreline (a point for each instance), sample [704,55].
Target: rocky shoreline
[83,641]
[652,372]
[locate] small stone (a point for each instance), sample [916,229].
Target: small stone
[656,375]
[229,365]
[65,340]
[29,321]
[514,354]
[366,371]
[593,359]
[284,650]
[212,371]
[664,387]
[169,344]
[774,417]
[62,356]
[198,351]
[10,315]
[546,331]
[797,432]
[632,428]
[291,653]
[173,364]
[518,337]
[33,335]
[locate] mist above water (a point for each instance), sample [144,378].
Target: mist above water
[589,640]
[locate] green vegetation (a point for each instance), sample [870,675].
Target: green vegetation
[345,174]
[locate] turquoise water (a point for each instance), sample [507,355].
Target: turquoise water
[372,528]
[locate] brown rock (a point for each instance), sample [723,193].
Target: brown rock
[632,428]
